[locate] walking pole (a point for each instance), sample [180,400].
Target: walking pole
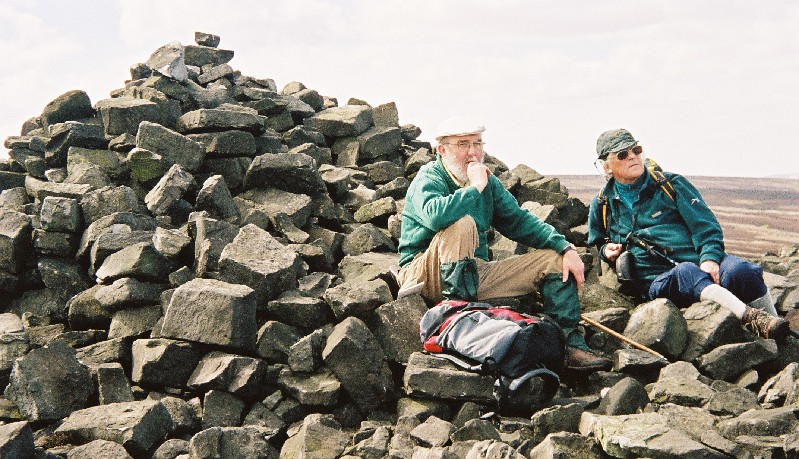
[621,337]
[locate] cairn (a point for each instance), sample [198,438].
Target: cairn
[196,267]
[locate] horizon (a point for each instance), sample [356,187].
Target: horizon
[769,177]
[685,78]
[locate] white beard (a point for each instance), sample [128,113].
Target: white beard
[457,170]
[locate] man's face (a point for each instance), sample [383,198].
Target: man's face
[626,170]
[458,151]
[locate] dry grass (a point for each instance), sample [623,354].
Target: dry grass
[758,215]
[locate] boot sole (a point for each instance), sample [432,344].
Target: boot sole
[592,366]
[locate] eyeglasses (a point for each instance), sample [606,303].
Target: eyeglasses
[464,145]
[622,155]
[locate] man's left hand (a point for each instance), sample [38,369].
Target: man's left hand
[574,265]
[712,268]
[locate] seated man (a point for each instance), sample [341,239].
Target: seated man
[674,239]
[449,208]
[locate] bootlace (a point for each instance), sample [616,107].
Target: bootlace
[759,323]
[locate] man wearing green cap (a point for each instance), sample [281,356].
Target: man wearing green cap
[450,207]
[661,223]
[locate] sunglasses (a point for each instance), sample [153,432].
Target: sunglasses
[622,155]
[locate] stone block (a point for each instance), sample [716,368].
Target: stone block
[163,362]
[15,241]
[169,60]
[258,260]
[49,383]
[261,206]
[212,120]
[212,312]
[396,327]
[215,198]
[124,114]
[659,325]
[112,242]
[295,173]
[172,147]
[169,190]
[112,384]
[204,55]
[138,425]
[210,239]
[71,106]
[239,375]
[346,121]
[140,261]
[71,134]
[432,377]
[355,356]
[129,323]
[233,442]
[274,341]
[16,440]
[226,144]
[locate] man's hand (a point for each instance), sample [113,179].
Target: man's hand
[712,268]
[478,175]
[612,251]
[574,265]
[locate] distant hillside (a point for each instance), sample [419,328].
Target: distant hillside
[789,176]
[758,215]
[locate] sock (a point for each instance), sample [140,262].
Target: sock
[766,304]
[725,298]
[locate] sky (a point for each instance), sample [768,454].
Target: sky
[707,87]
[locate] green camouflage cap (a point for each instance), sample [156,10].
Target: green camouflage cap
[613,141]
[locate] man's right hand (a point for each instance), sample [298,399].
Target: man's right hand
[478,175]
[612,251]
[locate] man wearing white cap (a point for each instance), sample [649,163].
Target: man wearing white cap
[449,208]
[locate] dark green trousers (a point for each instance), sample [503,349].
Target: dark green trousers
[563,305]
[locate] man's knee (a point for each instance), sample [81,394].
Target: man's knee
[689,270]
[458,240]
[465,226]
[551,262]
[681,284]
[742,271]
[744,279]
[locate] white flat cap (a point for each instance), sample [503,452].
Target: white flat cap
[458,125]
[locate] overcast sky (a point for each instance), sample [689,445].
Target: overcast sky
[707,87]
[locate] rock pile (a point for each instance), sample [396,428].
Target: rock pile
[196,268]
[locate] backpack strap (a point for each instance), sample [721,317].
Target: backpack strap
[489,367]
[657,174]
[603,202]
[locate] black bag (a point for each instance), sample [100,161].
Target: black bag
[501,342]
[625,267]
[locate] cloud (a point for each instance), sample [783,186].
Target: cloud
[696,82]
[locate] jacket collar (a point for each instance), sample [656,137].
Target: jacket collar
[609,190]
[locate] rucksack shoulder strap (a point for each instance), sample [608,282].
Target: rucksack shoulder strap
[485,368]
[656,172]
[603,203]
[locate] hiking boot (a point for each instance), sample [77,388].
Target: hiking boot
[765,325]
[578,359]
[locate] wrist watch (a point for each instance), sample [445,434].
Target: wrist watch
[567,248]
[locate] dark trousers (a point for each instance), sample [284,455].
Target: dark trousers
[683,283]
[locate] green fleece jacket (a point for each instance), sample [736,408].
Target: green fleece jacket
[434,202]
[685,225]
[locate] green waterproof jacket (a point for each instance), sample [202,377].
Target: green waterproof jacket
[434,202]
[685,225]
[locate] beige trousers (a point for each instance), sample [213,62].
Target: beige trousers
[514,276]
